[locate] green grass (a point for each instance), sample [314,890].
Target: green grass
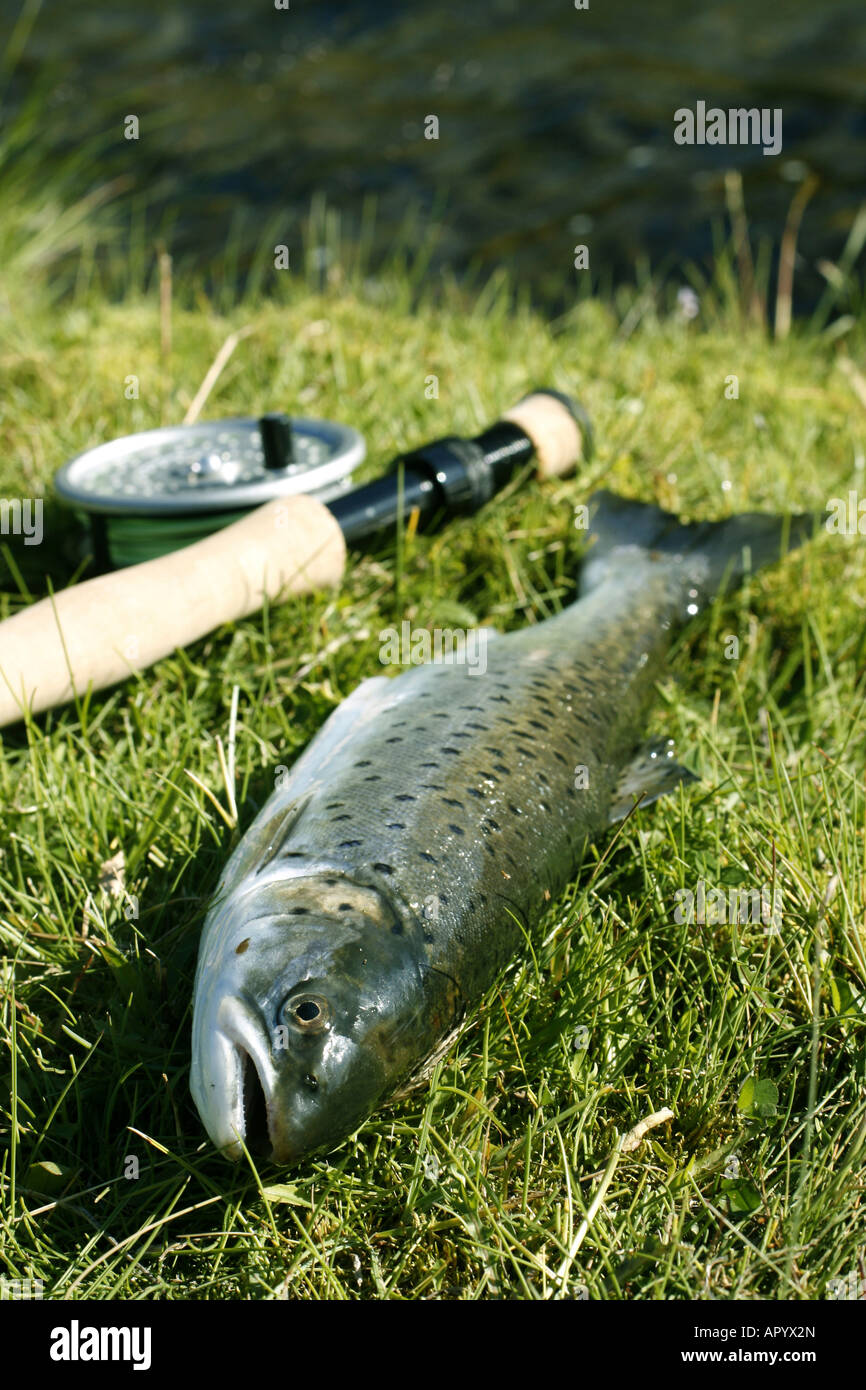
[475,1186]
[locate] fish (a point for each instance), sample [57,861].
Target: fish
[394,874]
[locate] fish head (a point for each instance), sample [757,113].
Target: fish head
[313,1001]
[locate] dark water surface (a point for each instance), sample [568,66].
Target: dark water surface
[555,125]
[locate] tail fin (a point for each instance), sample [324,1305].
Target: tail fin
[707,557]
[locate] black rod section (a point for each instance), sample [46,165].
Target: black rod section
[444,478]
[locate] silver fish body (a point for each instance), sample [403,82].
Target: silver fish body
[387,882]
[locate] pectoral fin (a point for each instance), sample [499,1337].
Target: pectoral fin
[652,772]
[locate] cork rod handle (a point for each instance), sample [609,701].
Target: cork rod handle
[101,631]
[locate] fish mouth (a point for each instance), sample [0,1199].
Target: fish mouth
[254,1108]
[257,1122]
[234,1088]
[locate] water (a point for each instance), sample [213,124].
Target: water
[555,125]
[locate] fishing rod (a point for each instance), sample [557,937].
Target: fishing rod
[203,478]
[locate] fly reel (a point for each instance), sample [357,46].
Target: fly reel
[148,494]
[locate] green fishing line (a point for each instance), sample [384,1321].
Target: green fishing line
[133,539]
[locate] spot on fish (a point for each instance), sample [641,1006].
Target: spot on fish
[456,829]
[349,844]
[395,825]
[450,801]
[345,907]
[383,868]
[365,762]
[239,950]
[429,857]
[405,796]
[344,816]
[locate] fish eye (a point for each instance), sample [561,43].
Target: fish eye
[309,1013]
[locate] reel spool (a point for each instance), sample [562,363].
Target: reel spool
[148,494]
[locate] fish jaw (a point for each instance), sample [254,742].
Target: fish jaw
[230,1059]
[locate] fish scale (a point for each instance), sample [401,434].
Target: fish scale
[385,885]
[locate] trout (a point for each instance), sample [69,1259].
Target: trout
[388,881]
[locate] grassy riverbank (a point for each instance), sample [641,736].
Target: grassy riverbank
[477,1185]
